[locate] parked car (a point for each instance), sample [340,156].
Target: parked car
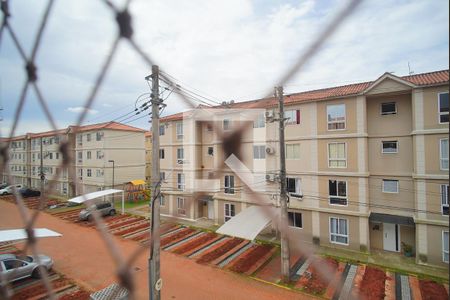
[9,189]
[3,185]
[103,208]
[17,267]
[26,192]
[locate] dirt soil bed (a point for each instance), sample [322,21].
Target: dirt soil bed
[40,289]
[373,284]
[77,295]
[432,290]
[168,239]
[316,284]
[195,243]
[210,256]
[132,229]
[124,223]
[246,261]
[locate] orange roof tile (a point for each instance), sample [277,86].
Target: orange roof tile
[424,79]
[107,125]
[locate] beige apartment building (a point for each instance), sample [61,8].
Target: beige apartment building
[148,156]
[367,164]
[98,151]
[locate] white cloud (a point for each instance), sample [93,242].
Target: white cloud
[80,109]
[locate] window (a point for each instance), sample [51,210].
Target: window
[390,186]
[99,155]
[180,153]
[445,246]
[295,219]
[292,116]
[260,121]
[389,108]
[226,124]
[89,173]
[98,136]
[229,211]
[293,151]
[80,139]
[162,129]
[211,151]
[88,155]
[50,155]
[162,176]
[338,192]
[57,140]
[180,206]
[338,231]
[99,173]
[259,152]
[88,137]
[444,199]
[80,156]
[443,107]
[180,181]
[161,153]
[337,158]
[179,131]
[162,201]
[293,186]
[229,184]
[56,155]
[336,117]
[443,154]
[389,147]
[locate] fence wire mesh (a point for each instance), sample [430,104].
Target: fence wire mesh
[230,142]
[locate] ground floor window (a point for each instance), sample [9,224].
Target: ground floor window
[295,219]
[445,246]
[339,231]
[181,206]
[229,211]
[162,201]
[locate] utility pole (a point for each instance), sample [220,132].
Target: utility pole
[155,282]
[283,194]
[42,170]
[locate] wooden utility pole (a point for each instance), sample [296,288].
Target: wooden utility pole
[283,193]
[155,282]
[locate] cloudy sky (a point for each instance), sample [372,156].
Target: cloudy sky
[222,50]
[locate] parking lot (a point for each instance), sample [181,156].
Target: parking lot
[191,254]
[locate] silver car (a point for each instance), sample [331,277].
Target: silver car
[9,189]
[104,209]
[15,267]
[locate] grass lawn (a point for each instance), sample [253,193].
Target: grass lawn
[128,205]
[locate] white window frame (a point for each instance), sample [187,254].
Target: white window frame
[228,124]
[383,187]
[382,148]
[181,206]
[339,234]
[98,136]
[181,183]
[337,122]
[180,153]
[259,152]
[294,213]
[260,121]
[298,187]
[179,130]
[99,173]
[88,137]
[210,153]
[291,116]
[389,113]
[442,159]
[99,155]
[162,153]
[162,201]
[88,172]
[444,198]
[228,216]
[88,154]
[230,187]
[439,108]
[337,193]
[162,129]
[292,146]
[443,250]
[337,159]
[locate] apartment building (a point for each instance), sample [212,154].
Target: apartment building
[367,164]
[104,155]
[148,156]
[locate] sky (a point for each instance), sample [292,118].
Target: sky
[222,50]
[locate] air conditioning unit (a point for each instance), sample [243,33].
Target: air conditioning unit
[270,150]
[269,114]
[180,161]
[270,177]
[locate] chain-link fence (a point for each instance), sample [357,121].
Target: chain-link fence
[123,18]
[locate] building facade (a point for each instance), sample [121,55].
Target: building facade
[104,155]
[367,164]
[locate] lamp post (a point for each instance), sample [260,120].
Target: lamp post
[112,161]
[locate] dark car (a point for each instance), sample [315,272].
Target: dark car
[3,185]
[26,192]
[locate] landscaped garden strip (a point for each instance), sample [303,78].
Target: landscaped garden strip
[373,284]
[431,290]
[245,261]
[219,250]
[173,238]
[195,243]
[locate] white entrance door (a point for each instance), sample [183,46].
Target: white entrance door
[211,210]
[390,237]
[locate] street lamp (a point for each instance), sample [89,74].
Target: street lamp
[112,161]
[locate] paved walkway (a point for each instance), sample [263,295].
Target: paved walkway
[81,255]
